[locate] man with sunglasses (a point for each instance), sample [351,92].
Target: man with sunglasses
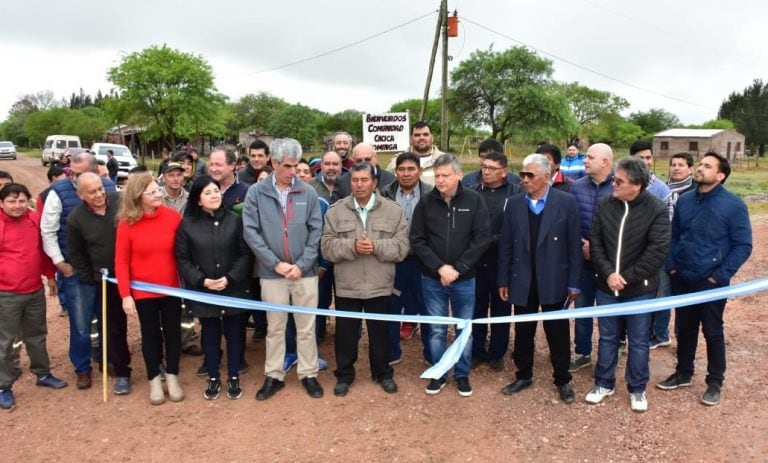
[81,297]
[540,266]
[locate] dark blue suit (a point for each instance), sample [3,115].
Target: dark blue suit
[557,260]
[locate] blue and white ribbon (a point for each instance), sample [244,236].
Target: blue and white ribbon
[453,352]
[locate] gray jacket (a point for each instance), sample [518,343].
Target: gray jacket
[275,237]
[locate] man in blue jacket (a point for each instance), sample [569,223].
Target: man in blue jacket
[711,239]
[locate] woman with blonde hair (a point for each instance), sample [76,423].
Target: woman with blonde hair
[146,235]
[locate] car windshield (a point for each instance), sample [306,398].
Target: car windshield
[6,144]
[118,150]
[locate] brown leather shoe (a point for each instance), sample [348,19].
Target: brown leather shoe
[84,380]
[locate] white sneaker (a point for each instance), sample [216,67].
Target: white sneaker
[638,402]
[597,394]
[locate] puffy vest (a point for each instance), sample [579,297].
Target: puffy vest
[67,193]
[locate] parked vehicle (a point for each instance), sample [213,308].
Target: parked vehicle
[69,152]
[7,150]
[125,160]
[55,145]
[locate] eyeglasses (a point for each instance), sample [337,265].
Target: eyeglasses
[490,168]
[153,192]
[528,175]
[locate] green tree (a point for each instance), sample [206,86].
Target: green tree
[170,88]
[653,121]
[349,120]
[509,92]
[40,124]
[13,128]
[749,111]
[255,111]
[88,123]
[413,106]
[615,131]
[590,105]
[723,124]
[300,122]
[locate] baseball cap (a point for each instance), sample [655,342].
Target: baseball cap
[174,166]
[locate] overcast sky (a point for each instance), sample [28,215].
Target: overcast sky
[684,56]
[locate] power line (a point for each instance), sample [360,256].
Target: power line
[337,49]
[585,68]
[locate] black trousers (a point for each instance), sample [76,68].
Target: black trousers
[160,320]
[117,331]
[558,338]
[348,335]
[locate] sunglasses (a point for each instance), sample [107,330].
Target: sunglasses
[528,175]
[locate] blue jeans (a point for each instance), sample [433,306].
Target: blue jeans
[82,305]
[583,327]
[461,295]
[409,302]
[487,294]
[638,328]
[661,318]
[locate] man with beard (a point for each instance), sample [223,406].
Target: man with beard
[711,239]
[422,145]
[326,184]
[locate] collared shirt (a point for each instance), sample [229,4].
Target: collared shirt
[537,205]
[284,193]
[363,211]
[407,201]
[179,203]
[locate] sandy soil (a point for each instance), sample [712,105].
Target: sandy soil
[367,424]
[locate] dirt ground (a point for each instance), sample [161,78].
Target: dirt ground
[367,424]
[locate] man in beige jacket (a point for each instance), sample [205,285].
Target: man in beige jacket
[364,235]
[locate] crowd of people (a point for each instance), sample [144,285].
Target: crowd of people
[420,237]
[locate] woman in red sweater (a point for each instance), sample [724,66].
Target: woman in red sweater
[144,252]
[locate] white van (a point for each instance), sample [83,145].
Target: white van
[123,156]
[55,145]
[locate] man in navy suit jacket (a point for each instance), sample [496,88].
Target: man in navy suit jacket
[540,265]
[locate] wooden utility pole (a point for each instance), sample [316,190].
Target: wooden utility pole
[444,109]
[441,19]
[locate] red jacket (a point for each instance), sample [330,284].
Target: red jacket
[22,259]
[145,252]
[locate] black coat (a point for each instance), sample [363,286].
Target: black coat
[212,246]
[645,231]
[558,249]
[457,233]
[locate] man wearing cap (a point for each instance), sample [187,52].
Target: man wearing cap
[174,194]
